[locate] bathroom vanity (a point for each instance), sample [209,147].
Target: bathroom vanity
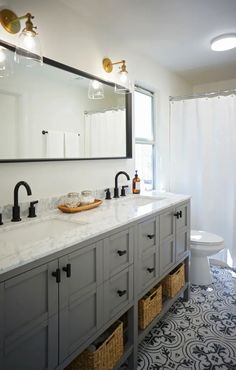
[64,279]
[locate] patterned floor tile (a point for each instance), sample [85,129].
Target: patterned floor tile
[196,335]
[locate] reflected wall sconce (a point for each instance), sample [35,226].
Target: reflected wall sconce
[95,90]
[125,86]
[28,49]
[5,63]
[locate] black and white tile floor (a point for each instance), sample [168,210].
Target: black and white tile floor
[196,335]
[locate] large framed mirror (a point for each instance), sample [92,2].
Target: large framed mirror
[46,115]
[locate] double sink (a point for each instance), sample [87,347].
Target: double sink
[35,231]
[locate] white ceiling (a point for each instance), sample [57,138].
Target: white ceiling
[175,33]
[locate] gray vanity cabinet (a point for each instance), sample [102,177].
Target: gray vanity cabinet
[29,320]
[80,298]
[148,252]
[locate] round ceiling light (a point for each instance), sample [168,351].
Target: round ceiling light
[224,42]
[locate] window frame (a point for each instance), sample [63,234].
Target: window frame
[140,140]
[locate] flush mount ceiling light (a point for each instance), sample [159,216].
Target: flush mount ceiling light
[224,42]
[125,85]
[28,49]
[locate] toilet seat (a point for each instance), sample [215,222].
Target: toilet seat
[199,237]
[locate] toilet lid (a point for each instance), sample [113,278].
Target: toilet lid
[202,237]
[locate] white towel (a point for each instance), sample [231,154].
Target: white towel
[72,145]
[55,144]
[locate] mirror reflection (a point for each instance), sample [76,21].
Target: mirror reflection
[46,113]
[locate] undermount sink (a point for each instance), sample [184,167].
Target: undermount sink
[140,200]
[34,232]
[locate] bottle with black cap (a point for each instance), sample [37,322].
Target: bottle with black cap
[136,183]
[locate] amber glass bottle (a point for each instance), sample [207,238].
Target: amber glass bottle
[136,183]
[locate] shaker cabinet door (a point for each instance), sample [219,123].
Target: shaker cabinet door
[29,320]
[80,298]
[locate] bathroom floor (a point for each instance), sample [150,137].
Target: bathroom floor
[196,335]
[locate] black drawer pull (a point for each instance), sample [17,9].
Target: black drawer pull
[150,236]
[177,215]
[180,214]
[121,253]
[67,269]
[150,269]
[121,292]
[57,275]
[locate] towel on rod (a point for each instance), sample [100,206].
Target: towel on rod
[72,149]
[55,144]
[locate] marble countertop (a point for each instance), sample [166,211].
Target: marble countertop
[110,215]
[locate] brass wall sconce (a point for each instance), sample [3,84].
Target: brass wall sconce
[125,85]
[28,49]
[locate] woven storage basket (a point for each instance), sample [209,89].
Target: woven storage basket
[174,281]
[149,306]
[105,356]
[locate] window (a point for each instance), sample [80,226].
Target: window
[144,137]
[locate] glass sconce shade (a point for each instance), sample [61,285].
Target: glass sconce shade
[95,90]
[125,85]
[28,51]
[5,63]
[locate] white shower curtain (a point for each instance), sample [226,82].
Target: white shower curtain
[203,164]
[105,134]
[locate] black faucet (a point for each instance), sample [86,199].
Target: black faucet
[116,189]
[16,207]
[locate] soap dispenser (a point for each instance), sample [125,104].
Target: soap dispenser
[136,183]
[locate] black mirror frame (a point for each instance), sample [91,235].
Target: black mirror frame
[128,103]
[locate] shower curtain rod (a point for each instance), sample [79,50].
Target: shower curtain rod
[204,95]
[103,110]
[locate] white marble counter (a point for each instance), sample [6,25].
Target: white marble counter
[110,215]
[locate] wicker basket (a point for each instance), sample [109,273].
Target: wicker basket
[105,356]
[149,306]
[174,281]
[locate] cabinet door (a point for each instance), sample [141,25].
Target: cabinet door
[118,292]
[29,320]
[80,299]
[182,230]
[118,252]
[167,241]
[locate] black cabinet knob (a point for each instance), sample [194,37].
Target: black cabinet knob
[151,236]
[121,253]
[177,215]
[57,275]
[180,214]
[67,269]
[151,269]
[121,292]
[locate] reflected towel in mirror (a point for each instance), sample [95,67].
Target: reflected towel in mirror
[55,144]
[72,143]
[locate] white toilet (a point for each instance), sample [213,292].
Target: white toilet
[203,245]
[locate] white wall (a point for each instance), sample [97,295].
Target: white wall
[215,86]
[67,39]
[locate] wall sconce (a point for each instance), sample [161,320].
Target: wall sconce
[125,86]
[28,49]
[95,90]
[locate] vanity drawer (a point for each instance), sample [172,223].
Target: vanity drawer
[148,233]
[118,252]
[148,270]
[118,292]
